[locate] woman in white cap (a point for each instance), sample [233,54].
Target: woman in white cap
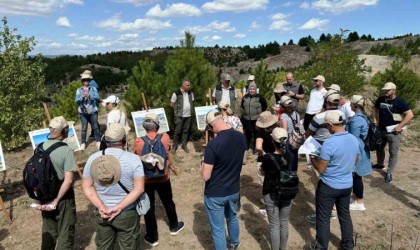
[115,115]
[289,118]
[358,126]
[277,210]
[232,120]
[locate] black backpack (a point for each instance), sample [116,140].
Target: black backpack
[39,175]
[286,186]
[373,139]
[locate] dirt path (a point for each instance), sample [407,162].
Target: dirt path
[389,207]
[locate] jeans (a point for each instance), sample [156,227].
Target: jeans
[278,218]
[393,140]
[123,229]
[357,186]
[326,197]
[59,226]
[217,209]
[164,190]
[93,120]
[182,129]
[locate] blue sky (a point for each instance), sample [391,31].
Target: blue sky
[87,26]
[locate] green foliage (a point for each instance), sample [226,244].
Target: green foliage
[337,63]
[21,87]
[261,51]
[412,47]
[290,42]
[66,106]
[306,41]
[408,83]
[265,80]
[353,36]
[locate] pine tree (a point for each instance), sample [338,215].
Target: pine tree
[66,106]
[21,87]
[265,80]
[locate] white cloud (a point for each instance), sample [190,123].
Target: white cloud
[103,44]
[64,22]
[278,16]
[87,38]
[137,2]
[33,8]
[126,37]
[115,23]
[239,36]
[54,45]
[212,38]
[234,5]
[77,45]
[254,26]
[280,22]
[315,23]
[174,10]
[214,26]
[338,6]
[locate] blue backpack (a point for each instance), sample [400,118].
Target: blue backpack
[154,146]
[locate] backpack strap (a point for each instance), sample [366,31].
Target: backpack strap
[52,147]
[276,163]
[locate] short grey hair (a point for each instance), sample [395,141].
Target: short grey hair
[149,125]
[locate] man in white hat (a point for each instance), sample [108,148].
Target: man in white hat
[87,99]
[182,103]
[335,163]
[59,215]
[294,89]
[390,112]
[117,220]
[224,91]
[316,100]
[221,170]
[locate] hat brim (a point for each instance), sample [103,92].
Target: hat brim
[117,172]
[267,123]
[387,88]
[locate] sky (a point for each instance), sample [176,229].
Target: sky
[81,27]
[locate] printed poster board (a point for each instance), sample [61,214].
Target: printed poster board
[138,117]
[200,115]
[39,136]
[2,162]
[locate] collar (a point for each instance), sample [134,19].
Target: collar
[340,133]
[182,91]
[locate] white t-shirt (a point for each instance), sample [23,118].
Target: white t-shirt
[186,109]
[316,100]
[116,116]
[346,109]
[225,95]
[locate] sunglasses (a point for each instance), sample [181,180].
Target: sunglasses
[86,80]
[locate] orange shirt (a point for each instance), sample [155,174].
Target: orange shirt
[138,147]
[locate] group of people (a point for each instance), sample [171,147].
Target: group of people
[114,178]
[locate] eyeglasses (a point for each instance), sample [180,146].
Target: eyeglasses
[86,80]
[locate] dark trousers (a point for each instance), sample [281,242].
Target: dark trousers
[357,185]
[58,226]
[164,191]
[307,120]
[250,131]
[326,197]
[123,230]
[182,130]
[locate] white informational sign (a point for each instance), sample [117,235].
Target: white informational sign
[200,115]
[41,135]
[138,118]
[2,162]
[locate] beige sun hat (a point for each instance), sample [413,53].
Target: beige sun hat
[211,116]
[58,123]
[335,87]
[332,96]
[251,78]
[279,89]
[334,117]
[389,85]
[86,75]
[320,78]
[266,119]
[115,132]
[358,100]
[286,101]
[105,170]
[224,105]
[278,133]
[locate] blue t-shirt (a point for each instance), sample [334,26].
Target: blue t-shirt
[340,150]
[387,108]
[226,154]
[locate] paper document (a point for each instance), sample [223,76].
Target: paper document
[310,147]
[389,129]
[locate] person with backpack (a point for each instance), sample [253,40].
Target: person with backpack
[335,162]
[153,148]
[87,98]
[359,127]
[113,180]
[277,206]
[57,204]
[390,111]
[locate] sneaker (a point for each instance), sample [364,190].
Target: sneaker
[98,144]
[83,146]
[233,247]
[357,206]
[263,212]
[150,242]
[388,178]
[376,166]
[185,148]
[176,230]
[311,218]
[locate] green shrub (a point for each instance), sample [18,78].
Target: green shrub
[66,106]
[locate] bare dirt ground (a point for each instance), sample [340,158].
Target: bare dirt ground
[389,218]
